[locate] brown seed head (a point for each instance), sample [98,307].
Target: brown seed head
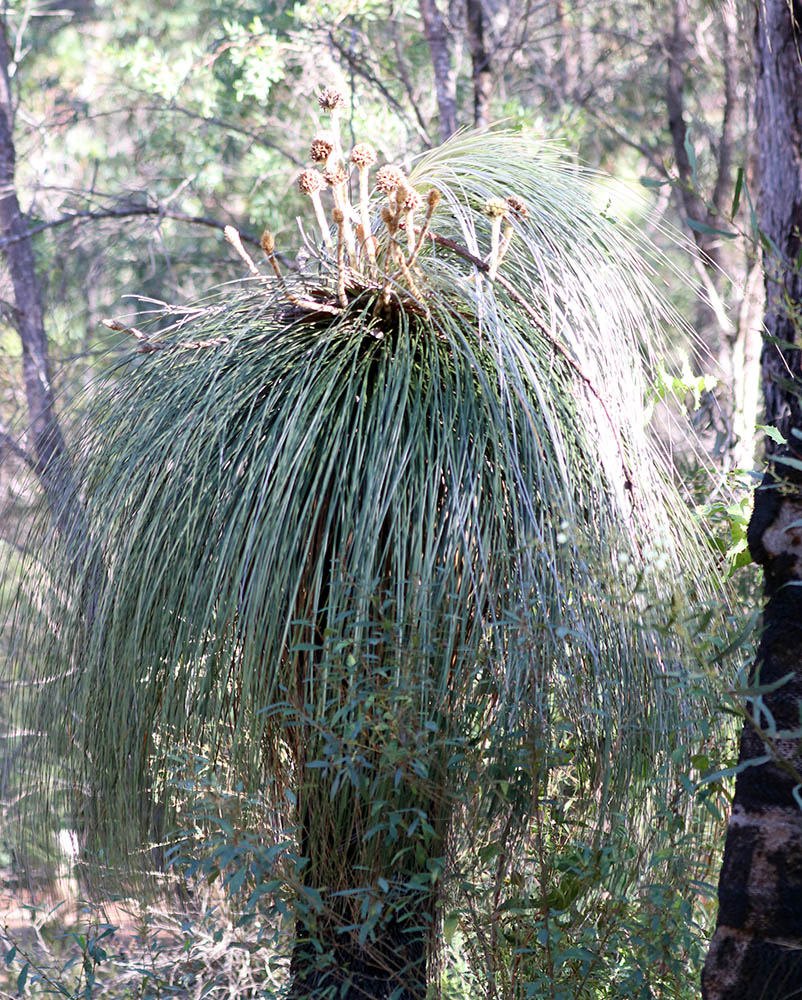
[389,177]
[518,205]
[496,208]
[331,99]
[321,148]
[433,199]
[337,215]
[409,198]
[336,176]
[268,242]
[388,218]
[363,155]
[311,181]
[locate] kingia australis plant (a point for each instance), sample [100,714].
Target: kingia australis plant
[349,524]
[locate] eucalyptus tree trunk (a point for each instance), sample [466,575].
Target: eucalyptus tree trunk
[757,947]
[436,31]
[482,72]
[49,459]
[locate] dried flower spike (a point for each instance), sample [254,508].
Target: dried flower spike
[432,201]
[312,182]
[409,201]
[337,177]
[321,149]
[389,177]
[363,156]
[339,221]
[331,100]
[518,205]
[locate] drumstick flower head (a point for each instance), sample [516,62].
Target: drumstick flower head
[389,177]
[331,100]
[321,149]
[363,155]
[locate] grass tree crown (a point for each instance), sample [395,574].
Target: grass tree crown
[402,467]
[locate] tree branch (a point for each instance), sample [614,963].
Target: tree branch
[126,211]
[404,77]
[359,66]
[7,442]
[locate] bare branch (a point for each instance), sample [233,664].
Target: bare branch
[123,212]
[10,444]
[359,66]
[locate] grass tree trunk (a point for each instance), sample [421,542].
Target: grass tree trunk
[757,947]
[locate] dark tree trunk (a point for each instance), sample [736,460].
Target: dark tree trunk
[330,958]
[693,206]
[779,143]
[50,455]
[756,951]
[327,962]
[436,31]
[480,61]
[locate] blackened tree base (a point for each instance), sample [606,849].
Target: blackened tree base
[330,963]
[756,953]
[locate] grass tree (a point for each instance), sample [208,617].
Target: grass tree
[353,522]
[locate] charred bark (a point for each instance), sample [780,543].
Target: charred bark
[756,951]
[330,961]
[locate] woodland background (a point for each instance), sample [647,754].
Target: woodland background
[132,135]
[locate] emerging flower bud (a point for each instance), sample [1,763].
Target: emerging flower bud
[496,208]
